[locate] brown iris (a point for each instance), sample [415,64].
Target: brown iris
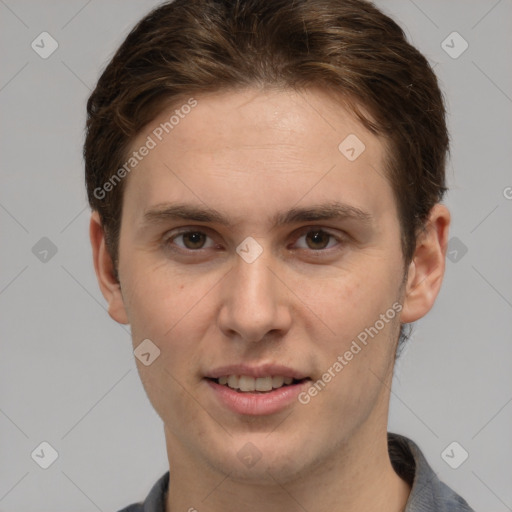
[318,237]
[196,238]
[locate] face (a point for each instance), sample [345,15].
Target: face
[252,245]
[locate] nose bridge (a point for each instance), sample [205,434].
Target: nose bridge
[252,299]
[254,278]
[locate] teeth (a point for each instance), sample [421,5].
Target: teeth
[246,383]
[263,384]
[277,382]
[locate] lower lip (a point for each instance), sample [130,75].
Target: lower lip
[256,404]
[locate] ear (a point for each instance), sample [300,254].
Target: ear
[104,267]
[426,270]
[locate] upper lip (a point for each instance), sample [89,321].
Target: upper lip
[262,370]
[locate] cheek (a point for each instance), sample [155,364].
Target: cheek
[351,298]
[159,299]
[168,311]
[356,374]
[169,391]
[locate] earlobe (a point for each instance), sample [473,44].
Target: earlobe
[426,270]
[105,272]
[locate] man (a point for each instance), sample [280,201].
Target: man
[265,179]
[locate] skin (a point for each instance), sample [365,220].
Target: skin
[250,154]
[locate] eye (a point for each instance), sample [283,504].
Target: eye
[191,240]
[315,240]
[318,239]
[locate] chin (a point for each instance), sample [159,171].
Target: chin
[263,460]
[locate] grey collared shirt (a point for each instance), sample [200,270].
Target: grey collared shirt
[428,493]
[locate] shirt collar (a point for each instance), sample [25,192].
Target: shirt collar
[427,491]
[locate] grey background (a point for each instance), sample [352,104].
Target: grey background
[67,372]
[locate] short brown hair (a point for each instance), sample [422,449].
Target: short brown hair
[347,47]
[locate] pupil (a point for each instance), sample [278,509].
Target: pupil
[195,238]
[317,237]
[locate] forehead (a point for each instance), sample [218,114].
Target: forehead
[250,152]
[252,119]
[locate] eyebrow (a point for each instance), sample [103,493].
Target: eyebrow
[189,212]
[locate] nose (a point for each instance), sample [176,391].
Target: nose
[254,301]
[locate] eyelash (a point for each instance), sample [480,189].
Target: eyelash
[168,239]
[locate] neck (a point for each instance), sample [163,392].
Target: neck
[357,475]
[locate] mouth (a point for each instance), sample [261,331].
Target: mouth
[256,390]
[256,385]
